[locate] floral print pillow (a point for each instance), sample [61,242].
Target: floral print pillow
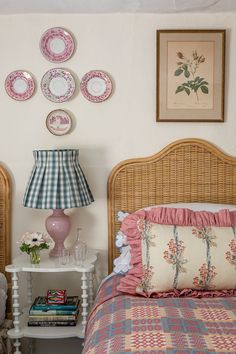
[179,257]
[168,256]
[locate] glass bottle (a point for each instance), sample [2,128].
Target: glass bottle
[79,249]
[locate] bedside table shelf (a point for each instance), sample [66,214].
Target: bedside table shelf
[46,332]
[49,265]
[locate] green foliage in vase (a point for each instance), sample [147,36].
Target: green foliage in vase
[32,241]
[189,68]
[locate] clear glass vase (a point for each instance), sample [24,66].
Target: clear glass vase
[79,249]
[35,256]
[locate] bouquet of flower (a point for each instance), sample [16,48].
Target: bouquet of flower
[34,241]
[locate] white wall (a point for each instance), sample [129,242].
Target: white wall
[122,127]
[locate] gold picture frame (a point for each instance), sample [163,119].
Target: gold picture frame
[190,75]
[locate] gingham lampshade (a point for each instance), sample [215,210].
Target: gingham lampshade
[57,181]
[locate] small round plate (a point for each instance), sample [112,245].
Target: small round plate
[58,85]
[96,86]
[58,122]
[57,45]
[19,85]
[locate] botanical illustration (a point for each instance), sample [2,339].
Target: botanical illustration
[189,67]
[190,75]
[175,256]
[207,270]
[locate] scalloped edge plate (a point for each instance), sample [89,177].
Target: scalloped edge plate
[52,84]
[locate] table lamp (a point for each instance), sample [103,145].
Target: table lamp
[57,182]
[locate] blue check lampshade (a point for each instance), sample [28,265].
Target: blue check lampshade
[57,182]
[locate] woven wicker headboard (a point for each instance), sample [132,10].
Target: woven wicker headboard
[189,170]
[5,217]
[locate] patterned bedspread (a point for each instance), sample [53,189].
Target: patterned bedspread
[120,323]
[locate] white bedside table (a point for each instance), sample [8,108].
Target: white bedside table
[49,265]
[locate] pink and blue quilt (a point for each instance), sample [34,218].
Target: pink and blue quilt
[121,323]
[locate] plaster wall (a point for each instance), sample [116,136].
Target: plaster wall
[124,126]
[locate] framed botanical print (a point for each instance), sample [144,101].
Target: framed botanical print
[190,75]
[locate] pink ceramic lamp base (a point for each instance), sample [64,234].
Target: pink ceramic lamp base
[58,226]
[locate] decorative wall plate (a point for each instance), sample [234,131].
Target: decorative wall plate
[58,85]
[58,122]
[19,85]
[57,45]
[96,86]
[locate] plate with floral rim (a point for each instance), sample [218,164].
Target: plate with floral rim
[19,85]
[58,85]
[96,86]
[57,45]
[58,122]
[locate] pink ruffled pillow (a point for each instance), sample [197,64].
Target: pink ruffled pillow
[179,251]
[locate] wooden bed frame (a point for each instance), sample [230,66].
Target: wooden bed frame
[5,228]
[187,171]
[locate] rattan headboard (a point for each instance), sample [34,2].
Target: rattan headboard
[189,170]
[5,217]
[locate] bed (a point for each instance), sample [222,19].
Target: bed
[131,315]
[5,259]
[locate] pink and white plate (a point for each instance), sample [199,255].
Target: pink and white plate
[58,85]
[19,85]
[58,122]
[96,86]
[57,45]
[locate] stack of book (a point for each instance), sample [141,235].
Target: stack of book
[49,315]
